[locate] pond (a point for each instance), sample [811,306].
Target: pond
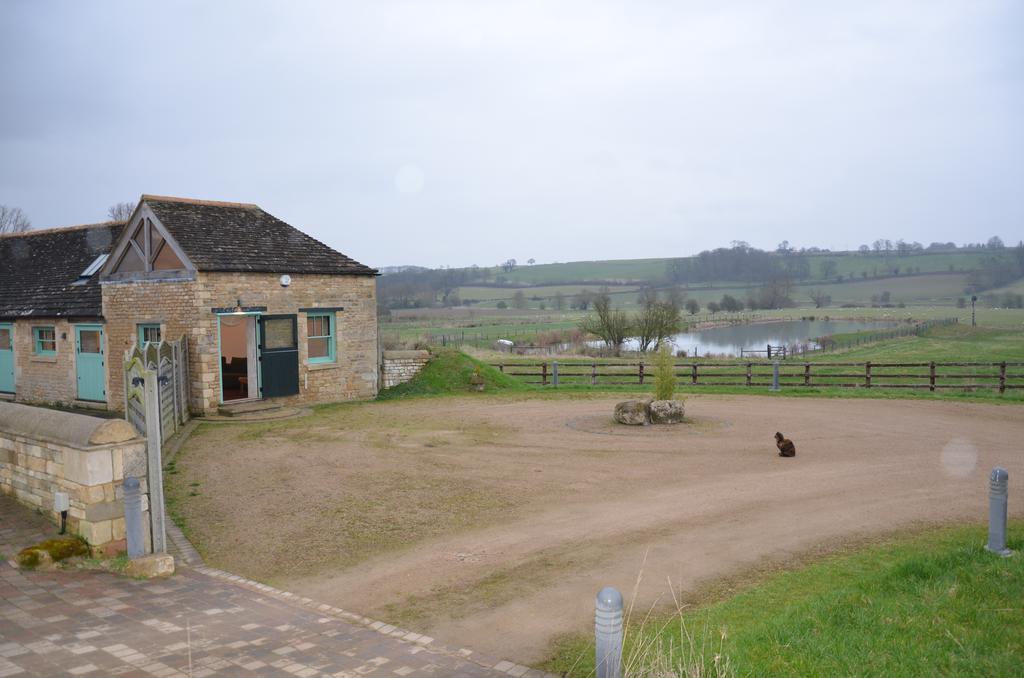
[729,341]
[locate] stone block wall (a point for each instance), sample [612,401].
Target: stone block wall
[399,367]
[34,465]
[353,375]
[174,305]
[46,378]
[186,307]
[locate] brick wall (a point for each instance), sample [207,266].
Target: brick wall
[46,378]
[33,466]
[401,366]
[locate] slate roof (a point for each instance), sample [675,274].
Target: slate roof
[38,269]
[219,236]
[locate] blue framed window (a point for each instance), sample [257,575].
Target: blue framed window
[320,337]
[149,333]
[45,340]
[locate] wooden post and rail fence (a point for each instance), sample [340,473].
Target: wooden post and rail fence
[968,376]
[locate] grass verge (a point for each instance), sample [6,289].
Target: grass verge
[935,603]
[449,372]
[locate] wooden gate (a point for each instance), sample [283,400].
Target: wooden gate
[167,363]
[156,404]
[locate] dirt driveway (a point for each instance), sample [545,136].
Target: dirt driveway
[494,521]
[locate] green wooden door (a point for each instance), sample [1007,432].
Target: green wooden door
[279,355]
[6,358]
[89,363]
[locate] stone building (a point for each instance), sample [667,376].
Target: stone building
[268,311]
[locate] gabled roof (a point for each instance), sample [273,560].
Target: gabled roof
[38,271]
[226,236]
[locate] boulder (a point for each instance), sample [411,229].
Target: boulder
[666,411]
[632,413]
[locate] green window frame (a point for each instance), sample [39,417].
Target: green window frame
[147,331]
[45,340]
[320,339]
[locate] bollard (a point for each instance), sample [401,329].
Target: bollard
[133,518]
[998,482]
[775,376]
[554,374]
[608,633]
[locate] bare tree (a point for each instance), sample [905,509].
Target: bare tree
[13,220]
[611,325]
[509,265]
[531,261]
[655,322]
[648,297]
[121,211]
[820,298]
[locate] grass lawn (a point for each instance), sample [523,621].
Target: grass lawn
[931,604]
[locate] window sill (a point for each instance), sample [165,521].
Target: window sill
[313,367]
[43,359]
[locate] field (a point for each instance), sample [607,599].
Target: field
[492,520]
[639,270]
[935,288]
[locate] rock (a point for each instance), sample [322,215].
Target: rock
[632,413]
[154,565]
[666,411]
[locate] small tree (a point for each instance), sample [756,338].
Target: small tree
[611,325]
[559,301]
[692,307]
[664,375]
[820,298]
[656,322]
[519,300]
[502,305]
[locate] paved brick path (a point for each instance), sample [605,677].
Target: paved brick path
[199,622]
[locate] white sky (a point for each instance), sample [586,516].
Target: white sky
[454,133]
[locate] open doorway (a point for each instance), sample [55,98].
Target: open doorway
[239,367]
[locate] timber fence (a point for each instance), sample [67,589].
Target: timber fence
[966,376]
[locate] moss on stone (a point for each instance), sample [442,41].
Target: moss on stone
[57,549]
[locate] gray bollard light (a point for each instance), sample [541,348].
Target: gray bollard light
[775,376]
[608,633]
[998,486]
[133,518]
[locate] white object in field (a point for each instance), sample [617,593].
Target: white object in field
[504,342]
[61,501]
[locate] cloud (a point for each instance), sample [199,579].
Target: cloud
[587,129]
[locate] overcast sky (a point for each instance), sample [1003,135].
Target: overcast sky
[454,133]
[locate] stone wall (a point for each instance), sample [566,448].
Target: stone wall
[46,378]
[174,305]
[399,367]
[46,451]
[353,374]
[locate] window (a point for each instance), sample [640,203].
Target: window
[45,340]
[320,337]
[149,333]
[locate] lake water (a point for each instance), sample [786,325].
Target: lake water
[728,341]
